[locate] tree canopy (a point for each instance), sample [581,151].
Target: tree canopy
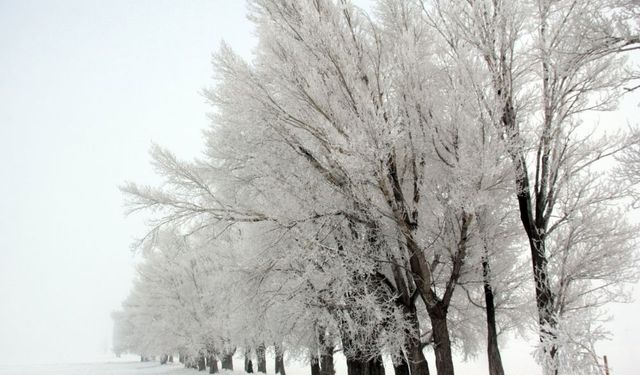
[423,176]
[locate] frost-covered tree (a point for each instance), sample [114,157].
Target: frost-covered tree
[370,132]
[545,64]
[173,306]
[363,171]
[363,131]
[628,173]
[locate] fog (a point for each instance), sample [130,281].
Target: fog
[85,87]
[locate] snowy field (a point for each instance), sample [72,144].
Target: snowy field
[153,368]
[108,368]
[517,362]
[131,365]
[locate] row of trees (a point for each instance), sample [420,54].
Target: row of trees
[422,176]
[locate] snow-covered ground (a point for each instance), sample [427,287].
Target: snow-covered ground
[517,361]
[131,365]
[107,368]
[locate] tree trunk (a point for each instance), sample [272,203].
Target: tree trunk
[423,279]
[248,366]
[213,364]
[414,359]
[326,363]
[533,219]
[227,362]
[190,362]
[417,362]
[365,367]
[326,353]
[279,360]
[493,351]
[545,303]
[262,359]
[360,364]
[544,296]
[201,363]
[170,358]
[401,367]
[315,365]
[441,340]
[438,308]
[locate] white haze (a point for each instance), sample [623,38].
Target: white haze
[85,86]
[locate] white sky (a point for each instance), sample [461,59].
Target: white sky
[85,86]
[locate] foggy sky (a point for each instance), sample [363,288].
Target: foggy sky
[85,87]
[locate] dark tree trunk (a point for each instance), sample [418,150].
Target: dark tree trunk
[247,361]
[533,215]
[213,364]
[493,351]
[401,367]
[227,362]
[326,354]
[315,365]
[544,296]
[181,358]
[358,363]
[201,363]
[190,362]
[365,367]
[163,359]
[262,359]
[437,308]
[441,340]
[326,363]
[170,358]
[279,360]
[417,362]
[413,361]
